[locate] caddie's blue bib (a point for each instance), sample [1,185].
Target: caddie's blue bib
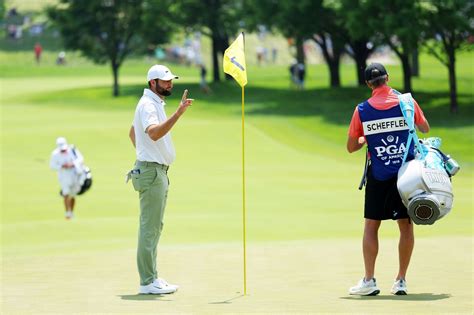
[386,132]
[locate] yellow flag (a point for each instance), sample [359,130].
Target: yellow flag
[234,60]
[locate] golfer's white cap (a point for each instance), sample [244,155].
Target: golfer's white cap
[160,72]
[61,143]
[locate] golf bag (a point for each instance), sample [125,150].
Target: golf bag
[424,183]
[84,175]
[85,180]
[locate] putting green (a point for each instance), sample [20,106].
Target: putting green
[283,277]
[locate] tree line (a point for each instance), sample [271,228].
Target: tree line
[108,31]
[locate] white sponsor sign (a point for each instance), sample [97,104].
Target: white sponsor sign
[384,125]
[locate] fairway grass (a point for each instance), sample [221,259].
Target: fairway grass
[304,212]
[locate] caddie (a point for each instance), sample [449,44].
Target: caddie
[379,123]
[151,137]
[68,161]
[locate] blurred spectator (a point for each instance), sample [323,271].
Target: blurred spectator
[187,42]
[293,73]
[301,74]
[19,32]
[14,23]
[12,12]
[265,54]
[274,54]
[11,31]
[203,84]
[260,51]
[196,48]
[61,60]
[160,53]
[262,32]
[190,56]
[177,54]
[298,74]
[36,29]
[38,51]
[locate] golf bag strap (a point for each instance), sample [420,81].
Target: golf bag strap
[407,107]
[73,149]
[443,156]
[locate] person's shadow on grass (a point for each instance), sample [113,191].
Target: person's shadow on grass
[145,297]
[409,297]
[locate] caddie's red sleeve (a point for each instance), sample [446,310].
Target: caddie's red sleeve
[355,128]
[419,116]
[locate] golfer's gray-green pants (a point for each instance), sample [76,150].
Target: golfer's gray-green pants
[151,182]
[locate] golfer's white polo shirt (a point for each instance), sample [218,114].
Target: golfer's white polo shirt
[150,111]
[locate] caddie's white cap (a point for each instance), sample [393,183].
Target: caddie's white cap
[160,72]
[61,143]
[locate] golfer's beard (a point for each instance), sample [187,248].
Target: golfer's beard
[162,91]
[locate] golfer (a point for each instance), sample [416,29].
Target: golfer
[379,124]
[150,135]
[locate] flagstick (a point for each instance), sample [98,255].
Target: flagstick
[243,193]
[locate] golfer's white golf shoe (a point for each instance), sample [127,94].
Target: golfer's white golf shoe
[164,284]
[156,288]
[399,287]
[365,288]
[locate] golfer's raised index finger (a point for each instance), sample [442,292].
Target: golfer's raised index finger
[185,95]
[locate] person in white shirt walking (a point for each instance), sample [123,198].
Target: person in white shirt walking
[68,161]
[150,135]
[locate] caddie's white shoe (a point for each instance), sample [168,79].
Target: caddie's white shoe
[365,288]
[399,287]
[155,288]
[164,284]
